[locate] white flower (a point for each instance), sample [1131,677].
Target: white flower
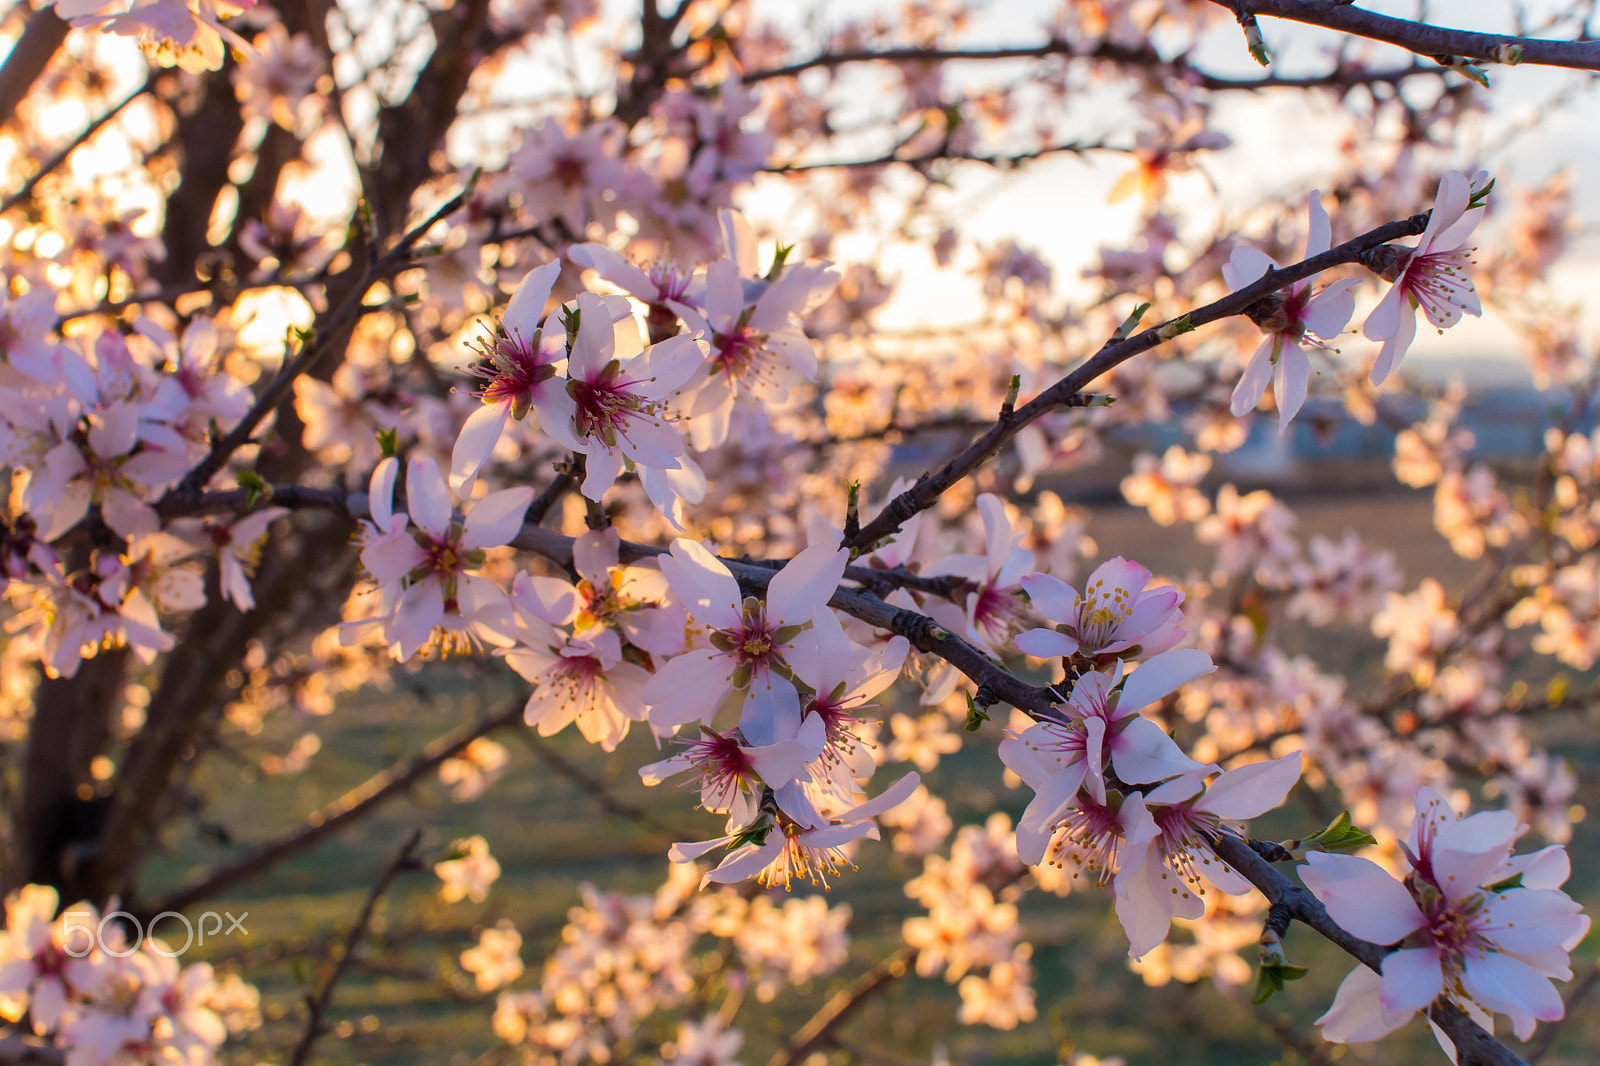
[1300,320]
[1433,278]
[1482,929]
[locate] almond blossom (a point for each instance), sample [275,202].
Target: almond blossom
[428,596]
[1294,319]
[581,679]
[991,597]
[749,637]
[1481,928]
[614,404]
[1100,724]
[752,323]
[1116,615]
[1433,276]
[518,370]
[1166,854]
[776,849]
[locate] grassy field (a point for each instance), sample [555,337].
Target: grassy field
[407,1002]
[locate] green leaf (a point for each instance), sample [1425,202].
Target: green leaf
[1341,835]
[1176,328]
[780,259]
[1514,881]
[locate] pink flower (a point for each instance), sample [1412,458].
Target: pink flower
[750,638]
[421,572]
[518,368]
[1166,854]
[777,849]
[752,322]
[616,394]
[583,679]
[1100,724]
[1433,278]
[1301,319]
[1483,929]
[1116,614]
[992,600]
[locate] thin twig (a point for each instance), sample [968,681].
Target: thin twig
[341,317]
[816,1032]
[356,803]
[318,1005]
[1422,39]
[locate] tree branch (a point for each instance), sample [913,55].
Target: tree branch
[318,1005]
[1422,39]
[358,802]
[1067,391]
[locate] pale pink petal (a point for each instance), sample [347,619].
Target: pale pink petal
[1253,382]
[1362,896]
[1394,349]
[1045,643]
[1319,231]
[595,553]
[1412,979]
[1250,791]
[526,306]
[1142,752]
[1161,675]
[1357,1014]
[1246,265]
[805,584]
[1499,981]
[1051,597]
[427,499]
[1291,382]
[702,584]
[475,443]
[496,519]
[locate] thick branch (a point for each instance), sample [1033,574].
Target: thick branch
[1422,39]
[28,58]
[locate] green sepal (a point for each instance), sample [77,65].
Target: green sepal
[1130,323]
[388,443]
[1271,979]
[976,716]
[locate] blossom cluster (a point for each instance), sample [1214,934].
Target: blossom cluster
[75,978]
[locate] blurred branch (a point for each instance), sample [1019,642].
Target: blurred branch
[358,802]
[49,166]
[318,1005]
[816,1033]
[1179,67]
[28,58]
